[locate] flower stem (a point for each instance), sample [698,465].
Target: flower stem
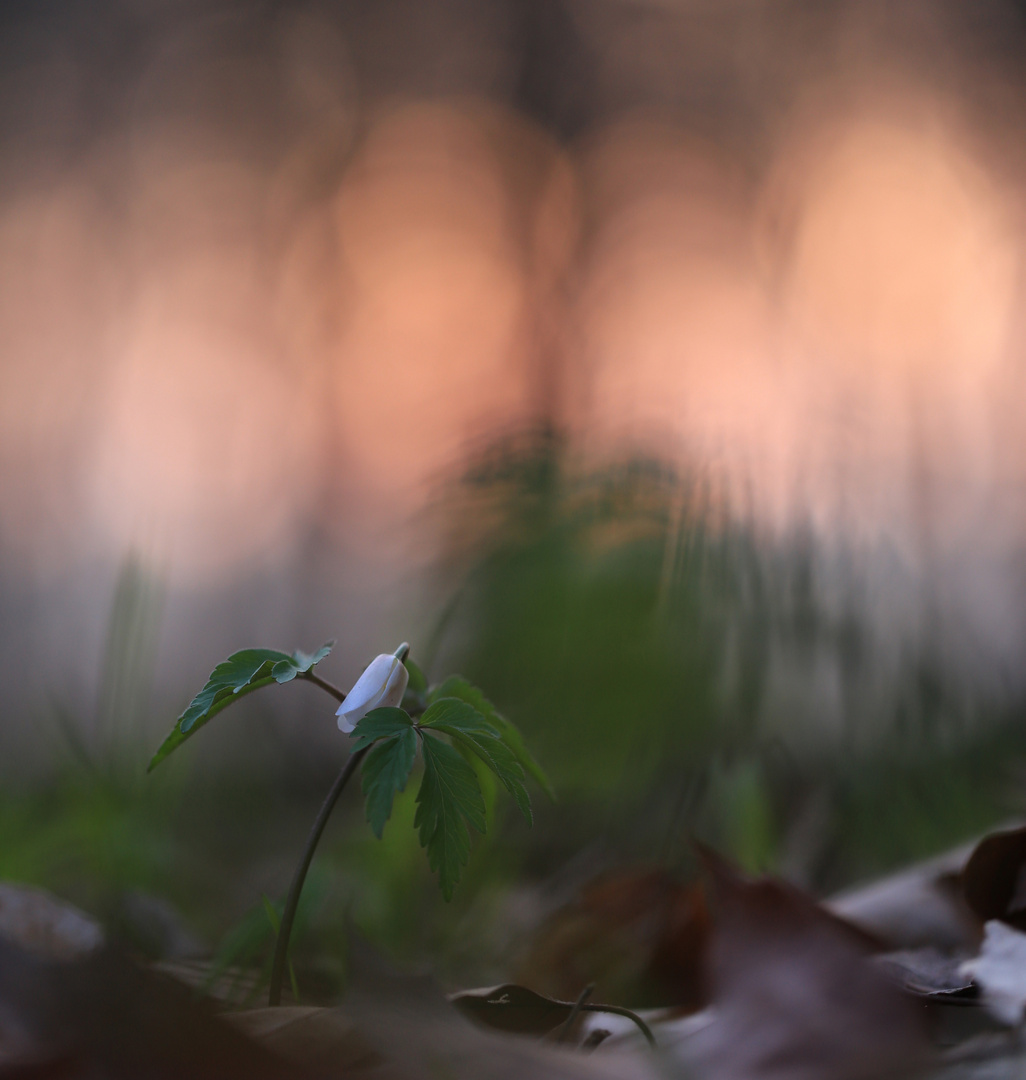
[338,695]
[281,948]
[288,916]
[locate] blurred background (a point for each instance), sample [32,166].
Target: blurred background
[657,364]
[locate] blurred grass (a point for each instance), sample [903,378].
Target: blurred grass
[678,673]
[666,664]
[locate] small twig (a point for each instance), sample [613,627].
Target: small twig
[288,915]
[564,1031]
[620,1011]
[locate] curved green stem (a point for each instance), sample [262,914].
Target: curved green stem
[310,676]
[281,948]
[288,915]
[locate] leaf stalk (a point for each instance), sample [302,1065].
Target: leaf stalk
[330,688]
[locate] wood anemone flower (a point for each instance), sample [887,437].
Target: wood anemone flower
[383,682]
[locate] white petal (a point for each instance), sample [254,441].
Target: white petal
[368,691]
[397,681]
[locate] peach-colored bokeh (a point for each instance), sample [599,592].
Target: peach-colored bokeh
[832,339]
[206,443]
[237,348]
[432,351]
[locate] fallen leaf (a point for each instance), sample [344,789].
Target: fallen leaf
[919,906]
[319,1038]
[638,936]
[418,1035]
[994,878]
[512,1008]
[795,994]
[36,920]
[104,1016]
[929,973]
[520,1011]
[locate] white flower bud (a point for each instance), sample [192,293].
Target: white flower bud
[382,683]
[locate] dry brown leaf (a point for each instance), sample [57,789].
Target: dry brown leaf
[104,1017]
[396,1027]
[994,878]
[919,906]
[638,935]
[795,994]
[323,1039]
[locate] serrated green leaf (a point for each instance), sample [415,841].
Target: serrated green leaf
[380,724]
[458,687]
[448,801]
[242,673]
[485,778]
[284,671]
[305,661]
[452,712]
[385,771]
[471,731]
[299,663]
[500,759]
[228,678]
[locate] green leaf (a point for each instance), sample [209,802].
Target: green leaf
[458,687]
[271,912]
[485,778]
[415,698]
[385,771]
[380,724]
[227,679]
[445,712]
[239,949]
[242,673]
[299,663]
[305,661]
[417,683]
[275,920]
[448,801]
[500,759]
[470,731]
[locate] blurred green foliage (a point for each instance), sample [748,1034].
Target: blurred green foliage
[666,663]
